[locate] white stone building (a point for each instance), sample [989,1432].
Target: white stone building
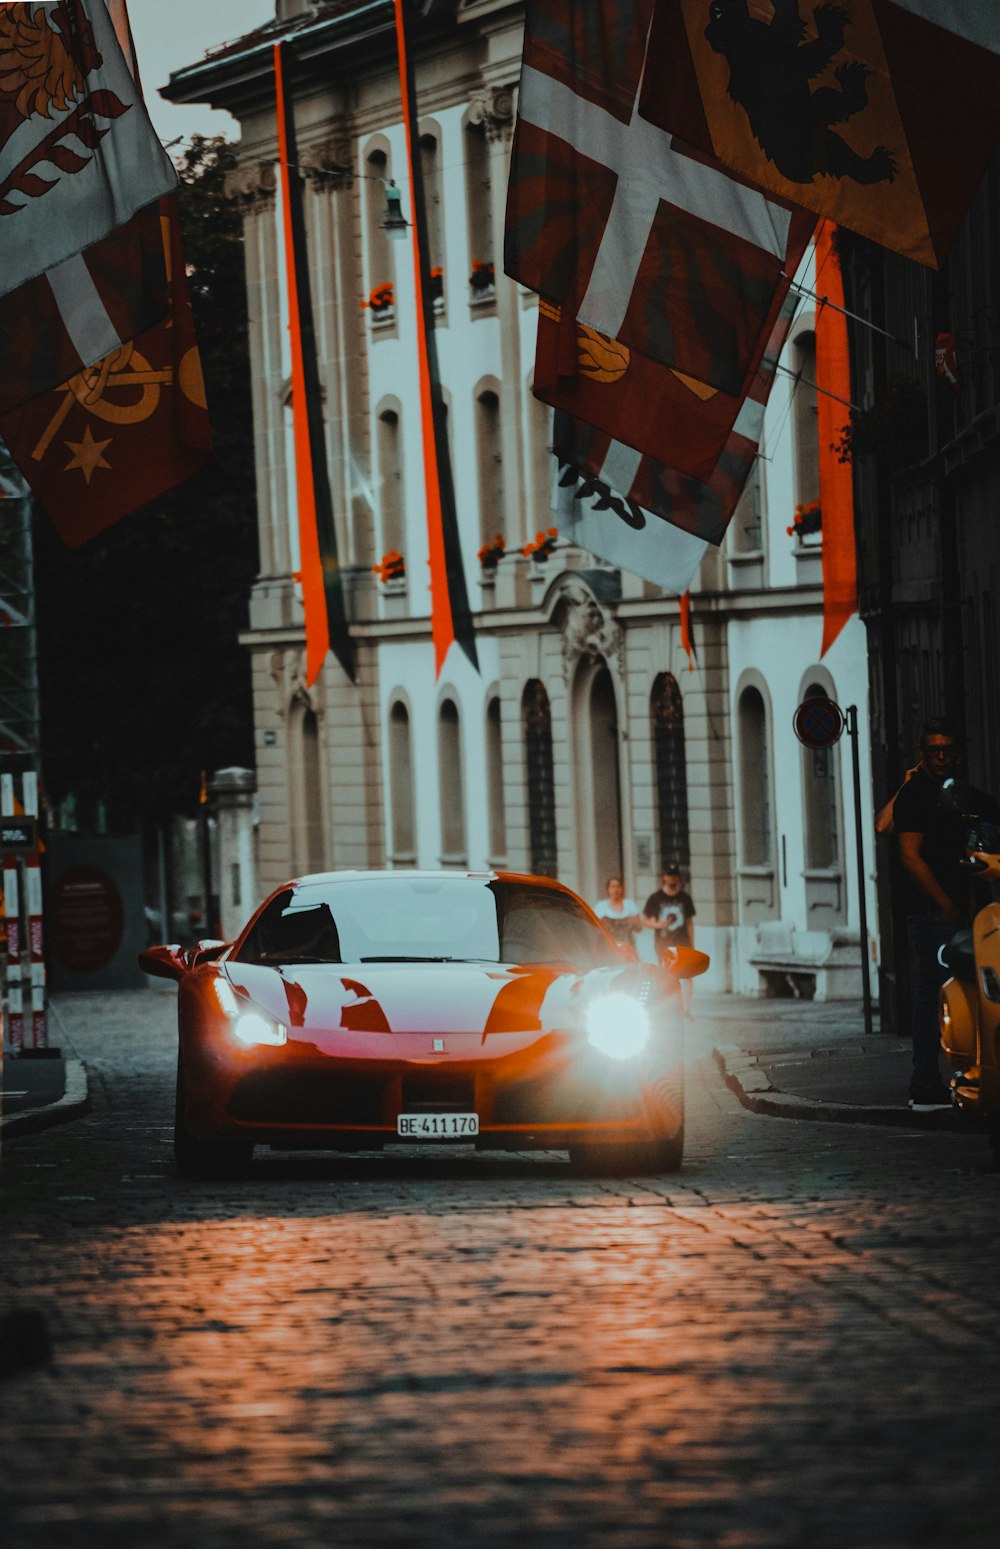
[584,745]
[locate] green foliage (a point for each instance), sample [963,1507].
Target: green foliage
[143,682]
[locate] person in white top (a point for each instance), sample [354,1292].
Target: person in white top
[622,915]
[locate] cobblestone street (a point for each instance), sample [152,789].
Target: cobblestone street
[795,1341]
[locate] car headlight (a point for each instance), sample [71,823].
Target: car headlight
[618,1026]
[249,1025]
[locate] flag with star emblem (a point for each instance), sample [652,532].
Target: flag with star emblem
[628,230]
[124,430]
[881,115]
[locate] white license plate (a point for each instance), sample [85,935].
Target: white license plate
[437,1126]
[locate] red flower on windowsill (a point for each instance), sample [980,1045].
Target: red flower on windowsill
[483,276]
[541,546]
[807,519]
[381,299]
[491,553]
[391,567]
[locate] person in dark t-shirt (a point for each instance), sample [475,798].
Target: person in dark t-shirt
[931,836]
[669,913]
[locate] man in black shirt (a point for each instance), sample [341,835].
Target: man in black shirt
[931,837]
[669,913]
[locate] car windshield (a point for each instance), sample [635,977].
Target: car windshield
[425,919]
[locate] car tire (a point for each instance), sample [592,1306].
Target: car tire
[195,1158]
[655,1158]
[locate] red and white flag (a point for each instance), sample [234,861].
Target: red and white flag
[654,482]
[58,323]
[643,405]
[126,429]
[881,115]
[594,516]
[88,305]
[625,228]
[78,154]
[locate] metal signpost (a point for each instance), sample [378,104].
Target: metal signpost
[819,723]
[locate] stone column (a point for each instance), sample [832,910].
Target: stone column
[334,239]
[252,188]
[493,107]
[232,793]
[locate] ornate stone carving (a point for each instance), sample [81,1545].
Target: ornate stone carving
[493,107]
[588,630]
[329,163]
[252,186]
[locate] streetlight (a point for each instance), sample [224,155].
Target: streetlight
[395,224]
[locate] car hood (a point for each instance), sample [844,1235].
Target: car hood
[418,997]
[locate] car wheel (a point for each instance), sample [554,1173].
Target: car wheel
[656,1157]
[195,1158]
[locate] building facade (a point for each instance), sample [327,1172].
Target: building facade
[587,743]
[925,354]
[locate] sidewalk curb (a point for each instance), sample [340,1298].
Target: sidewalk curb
[74,1102]
[747,1079]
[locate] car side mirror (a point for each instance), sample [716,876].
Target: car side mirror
[206,952]
[163,962]
[685,962]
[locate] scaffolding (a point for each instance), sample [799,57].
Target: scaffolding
[18,641]
[22,964]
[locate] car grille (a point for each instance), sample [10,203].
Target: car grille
[563,1099]
[438,1096]
[306,1097]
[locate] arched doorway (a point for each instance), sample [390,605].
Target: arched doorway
[536,717]
[597,778]
[667,715]
[605,780]
[307,840]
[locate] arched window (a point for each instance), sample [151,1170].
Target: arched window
[494,784]
[306,791]
[756,832]
[667,716]
[605,755]
[451,786]
[820,800]
[540,779]
[401,802]
[489,456]
[430,166]
[377,175]
[477,195]
[388,440]
[804,416]
[747,526]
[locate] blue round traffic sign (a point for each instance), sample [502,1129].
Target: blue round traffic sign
[818,722]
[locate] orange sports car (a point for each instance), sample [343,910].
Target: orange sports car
[365,1009]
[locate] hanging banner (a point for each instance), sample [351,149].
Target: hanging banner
[322,583]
